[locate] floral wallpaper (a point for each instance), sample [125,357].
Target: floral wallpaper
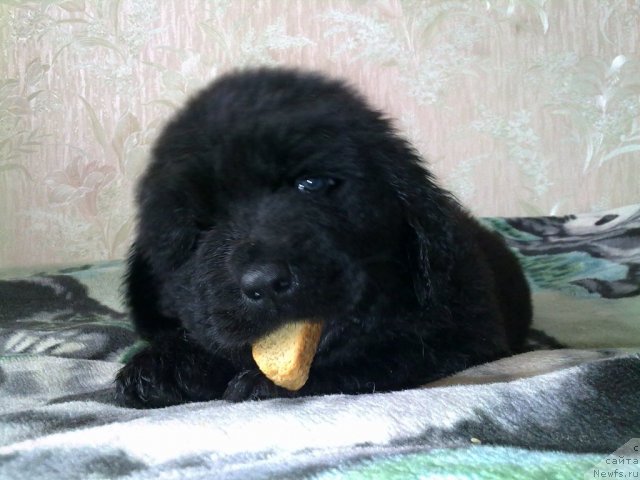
[523,107]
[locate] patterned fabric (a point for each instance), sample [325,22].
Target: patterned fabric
[543,414]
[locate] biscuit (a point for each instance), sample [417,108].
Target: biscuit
[285,355]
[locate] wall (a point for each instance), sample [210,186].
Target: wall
[521,107]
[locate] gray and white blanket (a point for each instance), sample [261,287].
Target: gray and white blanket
[559,411]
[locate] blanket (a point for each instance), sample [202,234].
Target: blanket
[568,408]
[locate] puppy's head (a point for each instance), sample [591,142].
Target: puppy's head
[277,195]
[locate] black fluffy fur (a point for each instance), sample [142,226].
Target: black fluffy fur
[409,286]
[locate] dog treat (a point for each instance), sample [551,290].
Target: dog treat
[285,355]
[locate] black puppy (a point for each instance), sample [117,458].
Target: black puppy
[279,195]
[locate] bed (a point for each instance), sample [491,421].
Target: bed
[568,408]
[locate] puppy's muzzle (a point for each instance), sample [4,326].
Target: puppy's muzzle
[266,282]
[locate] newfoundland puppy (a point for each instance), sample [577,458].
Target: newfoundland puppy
[278,195]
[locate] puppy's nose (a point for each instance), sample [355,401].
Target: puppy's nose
[268,280]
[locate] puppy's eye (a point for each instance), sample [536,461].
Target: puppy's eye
[314,184]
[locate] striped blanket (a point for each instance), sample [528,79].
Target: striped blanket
[569,408]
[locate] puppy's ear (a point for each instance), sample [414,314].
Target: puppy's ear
[429,212]
[167,233]
[175,203]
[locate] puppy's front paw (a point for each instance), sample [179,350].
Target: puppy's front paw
[143,383]
[253,385]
